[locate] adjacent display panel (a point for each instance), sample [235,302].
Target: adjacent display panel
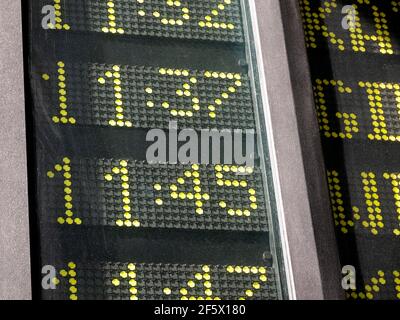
[107,223]
[354,55]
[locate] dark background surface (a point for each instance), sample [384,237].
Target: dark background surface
[368,253]
[52,243]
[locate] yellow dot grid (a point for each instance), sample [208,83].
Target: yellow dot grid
[112,25]
[197,196]
[395,6]
[396,275]
[261,272]
[336,196]
[71,274]
[220,171]
[201,278]
[62,95]
[314,22]
[65,169]
[374,90]
[349,119]
[123,172]
[209,22]
[375,218]
[165,20]
[59,21]
[204,278]
[185,91]
[395,182]
[373,287]
[130,276]
[382,36]
[115,76]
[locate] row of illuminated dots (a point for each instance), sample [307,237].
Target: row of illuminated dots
[213,20]
[375,96]
[190,179]
[200,286]
[113,78]
[373,287]
[315,23]
[373,217]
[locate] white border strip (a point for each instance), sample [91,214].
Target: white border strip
[274,162]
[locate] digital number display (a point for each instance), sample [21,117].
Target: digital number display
[353,52]
[217,20]
[109,222]
[131,194]
[130,280]
[145,97]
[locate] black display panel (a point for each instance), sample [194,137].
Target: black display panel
[354,53]
[110,223]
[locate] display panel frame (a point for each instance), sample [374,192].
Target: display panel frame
[301,285]
[15,264]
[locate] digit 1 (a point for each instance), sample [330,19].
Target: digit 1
[62,117]
[123,172]
[65,170]
[395,182]
[115,76]
[112,25]
[59,20]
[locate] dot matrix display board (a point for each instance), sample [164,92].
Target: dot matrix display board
[355,62]
[111,224]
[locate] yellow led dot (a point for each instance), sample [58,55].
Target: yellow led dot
[167,291]
[208,292]
[238,269]
[183,291]
[249,293]
[116,282]
[136,223]
[128,223]
[119,223]
[262,270]
[61,220]
[133,291]
[198,276]
[132,282]
[206,268]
